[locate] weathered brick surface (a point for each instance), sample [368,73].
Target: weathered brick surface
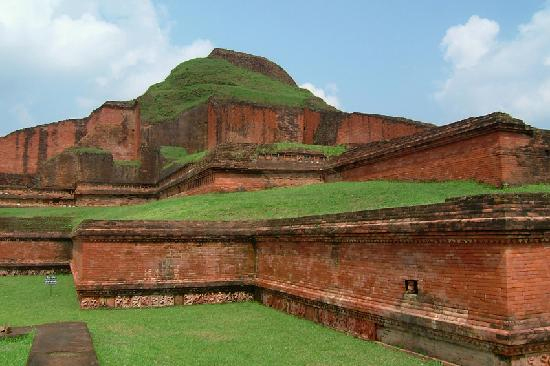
[480,293]
[494,149]
[154,264]
[526,160]
[114,127]
[358,128]
[526,284]
[344,320]
[243,123]
[189,130]
[457,283]
[473,159]
[246,123]
[34,253]
[39,251]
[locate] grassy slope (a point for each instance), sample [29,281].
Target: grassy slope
[279,202]
[175,155]
[290,146]
[229,334]
[193,82]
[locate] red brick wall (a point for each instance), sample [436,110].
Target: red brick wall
[161,263]
[247,123]
[476,158]
[525,159]
[359,128]
[116,130]
[229,182]
[112,128]
[23,150]
[312,120]
[527,285]
[28,252]
[189,130]
[464,283]
[220,181]
[241,123]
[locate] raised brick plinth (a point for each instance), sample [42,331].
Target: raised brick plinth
[464,281]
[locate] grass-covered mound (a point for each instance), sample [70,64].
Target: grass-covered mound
[279,202]
[193,82]
[229,334]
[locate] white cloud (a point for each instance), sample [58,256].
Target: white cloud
[110,49]
[328,94]
[489,74]
[466,44]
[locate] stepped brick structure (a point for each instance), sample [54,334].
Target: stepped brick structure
[465,280]
[494,149]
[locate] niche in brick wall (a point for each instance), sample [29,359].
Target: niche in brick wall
[411,287]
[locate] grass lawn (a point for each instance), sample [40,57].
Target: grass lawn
[229,334]
[14,351]
[279,202]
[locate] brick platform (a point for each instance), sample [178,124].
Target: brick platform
[464,281]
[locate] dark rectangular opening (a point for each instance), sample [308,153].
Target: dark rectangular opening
[411,287]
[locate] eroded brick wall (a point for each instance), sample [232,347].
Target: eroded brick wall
[496,157]
[246,123]
[113,127]
[66,169]
[23,150]
[476,159]
[189,130]
[526,159]
[495,149]
[358,128]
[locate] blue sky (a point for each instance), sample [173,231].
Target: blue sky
[430,60]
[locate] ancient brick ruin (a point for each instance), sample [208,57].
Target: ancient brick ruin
[466,280]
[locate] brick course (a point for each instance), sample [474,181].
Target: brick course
[481,295]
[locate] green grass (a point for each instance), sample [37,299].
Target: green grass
[279,202]
[195,81]
[173,152]
[229,334]
[14,351]
[175,155]
[292,146]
